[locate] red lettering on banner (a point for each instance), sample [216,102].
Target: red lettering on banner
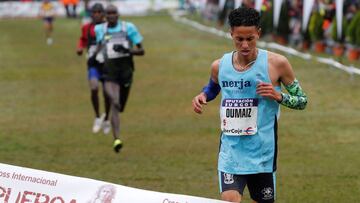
[25,195]
[18,197]
[31,197]
[39,198]
[54,200]
[5,193]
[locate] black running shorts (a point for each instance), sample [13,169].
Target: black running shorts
[261,186]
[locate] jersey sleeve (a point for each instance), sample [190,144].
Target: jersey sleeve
[83,40]
[134,34]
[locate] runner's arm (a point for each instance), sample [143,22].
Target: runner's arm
[210,91]
[296,97]
[82,40]
[138,50]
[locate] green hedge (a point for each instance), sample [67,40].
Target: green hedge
[353,30]
[334,34]
[315,27]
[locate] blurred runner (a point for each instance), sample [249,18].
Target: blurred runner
[88,41]
[47,13]
[120,41]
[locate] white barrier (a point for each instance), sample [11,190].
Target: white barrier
[349,69]
[24,185]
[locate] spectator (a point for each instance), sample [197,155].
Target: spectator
[211,10]
[70,8]
[295,14]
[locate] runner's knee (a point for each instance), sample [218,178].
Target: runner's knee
[94,84]
[231,196]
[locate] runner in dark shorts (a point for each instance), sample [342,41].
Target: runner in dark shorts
[120,41]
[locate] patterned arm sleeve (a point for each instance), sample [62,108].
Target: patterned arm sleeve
[296,99]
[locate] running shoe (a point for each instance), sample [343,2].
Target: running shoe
[98,123]
[117,145]
[106,126]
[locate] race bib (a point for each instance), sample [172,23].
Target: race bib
[111,54]
[99,56]
[239,116]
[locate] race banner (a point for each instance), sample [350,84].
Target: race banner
[24,185]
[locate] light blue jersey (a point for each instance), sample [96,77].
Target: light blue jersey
[248,120]
[132,32]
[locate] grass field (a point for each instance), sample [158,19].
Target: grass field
[46,116]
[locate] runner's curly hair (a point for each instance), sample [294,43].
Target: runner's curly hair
[244,17]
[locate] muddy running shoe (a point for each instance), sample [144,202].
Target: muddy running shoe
[98,123]
[106,127]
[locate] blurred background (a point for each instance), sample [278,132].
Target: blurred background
[324,26]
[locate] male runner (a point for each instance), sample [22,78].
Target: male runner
[250,82]
[88,41]
[120,41]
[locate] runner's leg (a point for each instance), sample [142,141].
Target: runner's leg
[94,88]
[112,89]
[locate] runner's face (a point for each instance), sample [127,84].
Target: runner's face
[245,38]
[112,16]
[97,16]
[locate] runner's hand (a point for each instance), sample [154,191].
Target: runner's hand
[267,90]
[79,52]
[120,48]
[198,102]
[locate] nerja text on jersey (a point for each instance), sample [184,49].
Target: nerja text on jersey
[240,84]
